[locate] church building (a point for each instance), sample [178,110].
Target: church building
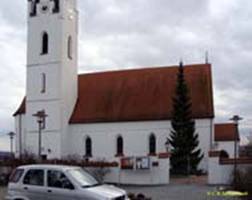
[113,115]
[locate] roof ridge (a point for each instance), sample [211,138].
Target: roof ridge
[135,69]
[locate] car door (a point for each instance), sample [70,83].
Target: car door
[33,186]
[59,187]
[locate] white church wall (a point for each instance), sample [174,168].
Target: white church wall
[36,26]
[204,127]
[219,174]
[20,130]
[69,78]
[51,135]
[52,109]
[221,169]
[159,175]
[223,173]
[104,136]
[60,70]
[49,145]
[228,147]
[154,176]
[135,135]
[34,82]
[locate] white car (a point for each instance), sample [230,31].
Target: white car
[53,182]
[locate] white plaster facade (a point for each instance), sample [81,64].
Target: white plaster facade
[60,72]
[104,135]
[223,174]
[228,146]
[159,175]
[219,174]
[60,139]
[136,138]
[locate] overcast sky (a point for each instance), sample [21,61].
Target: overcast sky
[119,34]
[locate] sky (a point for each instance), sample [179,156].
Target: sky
[122,34]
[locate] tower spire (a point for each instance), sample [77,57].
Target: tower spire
[206,58]
[181,64]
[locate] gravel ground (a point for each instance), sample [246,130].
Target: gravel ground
[2,193]
[173,192]
[170,192]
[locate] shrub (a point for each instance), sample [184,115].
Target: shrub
[244,181]
[99,173]
[138,197]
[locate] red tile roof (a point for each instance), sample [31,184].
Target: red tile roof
[140,94]
[21,109]
[225,132]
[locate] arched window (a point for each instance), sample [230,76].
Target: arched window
[88,147]
[33,11]
[43,83]
[70,47]
[56,6]
[152,144]
[45,40]
[119,146]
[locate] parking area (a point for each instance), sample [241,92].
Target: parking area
[170,192]
[173,192]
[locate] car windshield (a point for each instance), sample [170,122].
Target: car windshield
[83,178]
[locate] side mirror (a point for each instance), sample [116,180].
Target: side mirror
[68,185]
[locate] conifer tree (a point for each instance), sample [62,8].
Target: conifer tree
[184,141]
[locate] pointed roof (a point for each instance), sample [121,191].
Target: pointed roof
[225,132]
[139,94]
[21,109]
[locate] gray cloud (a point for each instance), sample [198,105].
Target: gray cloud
[14,13]
[125,34]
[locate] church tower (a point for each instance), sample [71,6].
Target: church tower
[51,72]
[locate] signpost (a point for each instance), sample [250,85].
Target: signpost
[236,119]
[41,116]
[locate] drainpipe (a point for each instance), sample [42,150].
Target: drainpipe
[20,136]
[211,134]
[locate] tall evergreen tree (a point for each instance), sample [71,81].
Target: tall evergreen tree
[186,155]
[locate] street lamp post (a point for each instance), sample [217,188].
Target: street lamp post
[41,116]
[167,146]
[11,134]
[235,119]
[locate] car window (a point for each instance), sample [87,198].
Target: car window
[58,179]
[83,178]
[16,175]
[34,177]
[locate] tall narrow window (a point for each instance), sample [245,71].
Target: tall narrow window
[56,6]
[88,147]
[43,83]
[119,146]
[70,48]
[45,44]
[152,144]
[33,10]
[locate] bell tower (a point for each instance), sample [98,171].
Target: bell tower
[51,72]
